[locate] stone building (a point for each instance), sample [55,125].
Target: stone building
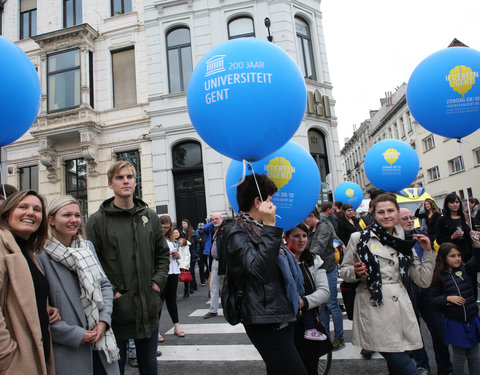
[114,78]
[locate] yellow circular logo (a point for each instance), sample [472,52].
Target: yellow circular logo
[461,79]
[349,193]
[391,155]
[280,171]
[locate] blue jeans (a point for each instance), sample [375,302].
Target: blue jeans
[400,363]
[332,306]
[146,354]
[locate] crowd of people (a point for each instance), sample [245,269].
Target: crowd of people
[89,297]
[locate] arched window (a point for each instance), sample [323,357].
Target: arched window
[179,54]
[318,150]
[241,27]
[189,184]
[305,50]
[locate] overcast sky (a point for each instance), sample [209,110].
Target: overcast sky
[374,45]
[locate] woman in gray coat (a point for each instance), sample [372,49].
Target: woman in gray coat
[83,341]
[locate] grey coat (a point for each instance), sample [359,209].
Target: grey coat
[67,334]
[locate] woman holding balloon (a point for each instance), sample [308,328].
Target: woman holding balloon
[383,261]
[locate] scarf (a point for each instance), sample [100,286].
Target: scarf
[405,258]
[82,261]
[292,275]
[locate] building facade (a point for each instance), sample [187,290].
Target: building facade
[114,77]
[445,166]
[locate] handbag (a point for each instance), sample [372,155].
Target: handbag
[349,290]
[185,275]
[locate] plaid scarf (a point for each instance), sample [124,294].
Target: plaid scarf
[405,258]
[82,261]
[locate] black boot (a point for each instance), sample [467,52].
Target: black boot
[186,294]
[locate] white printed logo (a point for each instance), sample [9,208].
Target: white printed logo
[215,65]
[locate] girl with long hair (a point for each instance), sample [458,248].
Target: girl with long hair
[348,223]
[81,291]
[431,215]
[191,235]
[452,291]
[453,227]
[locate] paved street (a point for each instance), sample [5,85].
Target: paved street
[215,347]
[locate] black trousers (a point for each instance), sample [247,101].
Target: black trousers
[169,295]
[277,348]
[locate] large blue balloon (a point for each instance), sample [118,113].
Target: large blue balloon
[349,192]
[443,92]
[391,165]
[246,98]
[19,92]
[296,176]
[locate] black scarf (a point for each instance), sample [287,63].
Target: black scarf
[405,258]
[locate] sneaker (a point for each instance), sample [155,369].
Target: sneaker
[338,343]
[209,315]
[133,362]
[314,335]
[367,354]
[423,371]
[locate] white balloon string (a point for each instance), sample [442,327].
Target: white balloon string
[244,173]
[459,140]
[258,187]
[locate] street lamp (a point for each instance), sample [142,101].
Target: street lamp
[267,25]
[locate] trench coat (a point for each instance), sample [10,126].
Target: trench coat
[391,327]
[21,347]
[67,334]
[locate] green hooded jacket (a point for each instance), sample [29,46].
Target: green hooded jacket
[134,254]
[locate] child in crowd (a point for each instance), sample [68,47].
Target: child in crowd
[452,291]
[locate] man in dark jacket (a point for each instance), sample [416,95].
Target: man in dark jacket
[131,247]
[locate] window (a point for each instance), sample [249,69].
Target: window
[28,18]
[1,15]
[241,27]
[402,127]
[397,134]
[428,143]
[72,12]
[305,50]
[124,82]
[76,181]
[29,178]
[134,158]
[120,6]
[456,165]
[433,173]
[476,156]
[179,59]
[409,122]
[63,82]
[318,150]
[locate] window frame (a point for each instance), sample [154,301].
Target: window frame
[179,47]
[453,163]
[112,53]
[122,11]
[76,193]
[476,156]
[76,20]
[32,14]
[22,184]
[247,35]
[2,2]
[428,141]
[433,171]
[301,53]
[79,68]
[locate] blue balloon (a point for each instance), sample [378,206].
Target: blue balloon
[19,92]
[349,192]
[391,165]
[443,92]
[246,98]
[296,176]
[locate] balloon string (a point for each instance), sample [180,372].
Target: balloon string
[258,187]
[459,140]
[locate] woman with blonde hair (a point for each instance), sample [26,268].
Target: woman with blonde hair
[25,345]
[431,215]
[79,288]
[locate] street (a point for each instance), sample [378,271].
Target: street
[212,346]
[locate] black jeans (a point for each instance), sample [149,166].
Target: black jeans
[169,295]
[203,268]
[277,348]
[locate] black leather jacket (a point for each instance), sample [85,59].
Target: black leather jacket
[264,296]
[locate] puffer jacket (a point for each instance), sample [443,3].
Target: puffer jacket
[264,296]
[133,252]
[458,282]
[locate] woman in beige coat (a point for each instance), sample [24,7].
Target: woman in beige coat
[25,345]
[382,261]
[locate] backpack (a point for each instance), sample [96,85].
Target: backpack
[231,300]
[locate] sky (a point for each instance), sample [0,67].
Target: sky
[373,46]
